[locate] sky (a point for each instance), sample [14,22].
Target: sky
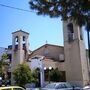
[41,28]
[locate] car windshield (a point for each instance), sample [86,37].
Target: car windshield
[58,85]
[52,85]
[68,85]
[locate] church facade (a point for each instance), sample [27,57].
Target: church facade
[70,59]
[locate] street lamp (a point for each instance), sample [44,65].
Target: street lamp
[44,74]
[49,73]
[49,70]
[45,68]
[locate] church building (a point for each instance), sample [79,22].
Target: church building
[70,59]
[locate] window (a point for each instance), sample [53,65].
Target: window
[61,57]
[23,38]
[70,32]
[16,42]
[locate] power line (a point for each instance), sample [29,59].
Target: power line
[3,5]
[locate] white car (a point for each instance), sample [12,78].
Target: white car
[86,87]
[58,86]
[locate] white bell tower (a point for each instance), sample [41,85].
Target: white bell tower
[75,54]
[20,48]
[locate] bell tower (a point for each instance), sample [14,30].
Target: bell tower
[20,48]
[75,54]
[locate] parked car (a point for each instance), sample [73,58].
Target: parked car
[30,86]
[76,87]
[86,87]
[58,86]
[11,88]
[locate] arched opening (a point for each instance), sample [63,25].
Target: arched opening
[70,32]
[16,42]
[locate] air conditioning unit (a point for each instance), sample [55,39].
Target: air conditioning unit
[61,57]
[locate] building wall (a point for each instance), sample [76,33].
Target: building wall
[49,51]
[75,56]
[50,63]
[52,56]
[2,51]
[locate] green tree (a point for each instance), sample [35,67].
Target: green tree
[76,10]
[3,63]
[36,77]
[4,57]
[0,68]
[56,75]
[22,74]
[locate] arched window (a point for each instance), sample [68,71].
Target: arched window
[70,32]
[16,42]
[16,39]
[23,38]
[24,43]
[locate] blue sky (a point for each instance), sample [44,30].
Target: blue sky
[41,28]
